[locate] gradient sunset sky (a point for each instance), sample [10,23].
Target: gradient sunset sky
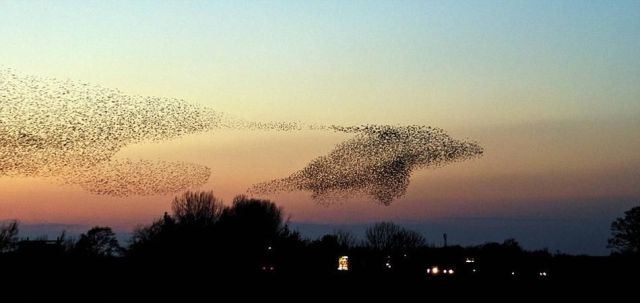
[550,89]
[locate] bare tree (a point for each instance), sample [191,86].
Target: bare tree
[345,239]
[8,235]
[200,208]
[387,236]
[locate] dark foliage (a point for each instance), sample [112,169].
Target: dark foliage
[98,242]
[203,249]
[626,233]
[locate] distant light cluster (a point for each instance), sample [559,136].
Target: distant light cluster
[72,131]
[377,162]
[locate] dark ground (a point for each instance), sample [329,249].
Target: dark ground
[120,279]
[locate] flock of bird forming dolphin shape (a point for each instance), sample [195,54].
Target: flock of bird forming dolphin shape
[72,131]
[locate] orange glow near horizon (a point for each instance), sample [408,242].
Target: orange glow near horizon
[502,182]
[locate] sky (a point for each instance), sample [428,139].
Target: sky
[548,88]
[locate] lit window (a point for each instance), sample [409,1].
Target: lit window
[343,263]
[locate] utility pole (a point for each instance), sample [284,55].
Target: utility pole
[444,236]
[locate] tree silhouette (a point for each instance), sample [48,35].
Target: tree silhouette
[8,236]
[626,232]
[345,239]
[189,229]
[145,234]
[98,242]
[253,219]
[203,233]
[197,208]
[512,245]
[248,245]
[387,236]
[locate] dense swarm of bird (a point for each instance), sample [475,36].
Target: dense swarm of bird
[377,162]
[141,177]
[72,131]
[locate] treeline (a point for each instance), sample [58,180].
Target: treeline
[251,231]
[250,242]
